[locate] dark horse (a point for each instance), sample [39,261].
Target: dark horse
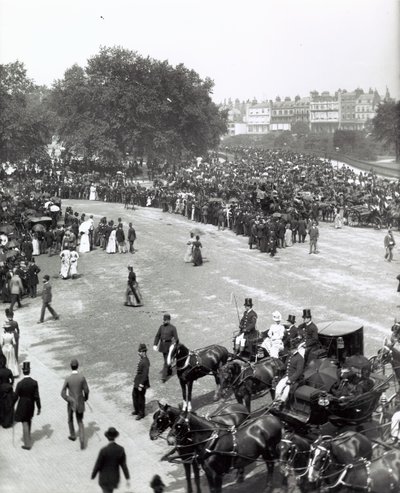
[294,452]
[246,379]
[191,365]
[165,417]
[219,451]
[331,458]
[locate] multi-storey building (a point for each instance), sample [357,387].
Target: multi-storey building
[301,109]
[281,114]
[324,112]
[365,107]
[347,110]
[258,117]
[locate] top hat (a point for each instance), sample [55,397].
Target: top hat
[26,367]
[248,302]
[167,316]
[142,347]
[111,433]
[276,316]
[306,313]
[46,277]
[291,319]
[156,481]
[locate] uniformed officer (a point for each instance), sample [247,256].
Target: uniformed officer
[166,334]
[141,383]
[309,332]
[248,334]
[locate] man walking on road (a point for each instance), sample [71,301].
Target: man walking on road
[131,289]
[131,238]
[389,244]
[110,459]
[77,395]
[27,394]
[166,334]
[16,290]
[46,299]
[141,383]
[314,234]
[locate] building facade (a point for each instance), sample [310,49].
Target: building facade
[258,118]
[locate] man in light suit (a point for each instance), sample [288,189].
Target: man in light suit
[110,459]
[77,395]
[27,395]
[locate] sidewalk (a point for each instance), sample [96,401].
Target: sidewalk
[55,464]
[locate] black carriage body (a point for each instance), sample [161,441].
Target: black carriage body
[341,339]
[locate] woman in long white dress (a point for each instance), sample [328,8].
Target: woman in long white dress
[7,342]
[273,343]
[73,260]
[188,255]
[35,245]
[112,242]
[92,195]
[84,247]
[65,263]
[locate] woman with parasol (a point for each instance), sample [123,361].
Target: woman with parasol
[188,255]
[196,252]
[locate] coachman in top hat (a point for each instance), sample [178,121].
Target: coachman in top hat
[246,342]
[309,331]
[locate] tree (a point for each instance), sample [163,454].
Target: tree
[25,123]
[300,128]
[386,125]
[122,103]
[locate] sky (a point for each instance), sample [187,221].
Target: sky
[251,48]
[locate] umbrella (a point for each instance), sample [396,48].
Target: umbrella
[233,199]
[277,214]
[11,253]
[322,377]
[6,228]
[215,199]
[197,231]
[38,227]
[41,219]
[12,244]
[357,361]
[54,208]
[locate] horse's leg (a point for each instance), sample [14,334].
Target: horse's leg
[238,396]
[217,392]
[183,387]
[247,401]
[196,472]
[189,397]
[210,477]
[188,478]
[218,483]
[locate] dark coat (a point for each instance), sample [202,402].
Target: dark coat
[248,321]
[294,367]
[142,373]
[309,333]
[108,462]
[27,394]
[46,293]
[163,338]
[131,234]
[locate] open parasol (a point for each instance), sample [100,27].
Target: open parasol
[357,361]
[54,208]
[11,253]
[197,231]
[277,214]
[322,377]
[6,228]
[41,219]
[38,227]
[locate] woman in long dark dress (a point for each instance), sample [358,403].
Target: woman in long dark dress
[196,252]
[6,395]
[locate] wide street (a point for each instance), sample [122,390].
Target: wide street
[348,280]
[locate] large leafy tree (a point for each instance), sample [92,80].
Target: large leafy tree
[124,104]
[386,125]
[25,123]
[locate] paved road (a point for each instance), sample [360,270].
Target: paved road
[348,280]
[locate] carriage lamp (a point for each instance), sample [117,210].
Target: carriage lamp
[340,343]
[323,399]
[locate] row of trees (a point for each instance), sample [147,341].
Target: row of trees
[120,105]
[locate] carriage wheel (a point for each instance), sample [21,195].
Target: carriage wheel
[354,220]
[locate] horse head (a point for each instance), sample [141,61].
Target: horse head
[319,457]
[177,353]
[162,419]
[286,451]
[228,373]
[179,430]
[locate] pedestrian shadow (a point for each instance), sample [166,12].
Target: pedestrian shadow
[45,432]
[92,429]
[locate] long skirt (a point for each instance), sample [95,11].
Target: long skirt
[197,257]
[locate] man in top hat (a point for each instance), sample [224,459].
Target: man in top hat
[248,336]
[76,392]
[166,334]
[291,331]
[131,289]
[47,296]
[110,459]
[294,370]
[309,331]
[27,395]
[141,383]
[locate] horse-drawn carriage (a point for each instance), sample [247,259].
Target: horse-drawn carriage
[359,215]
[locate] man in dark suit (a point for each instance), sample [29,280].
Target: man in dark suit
[141,383]
[46,300]
[132,289]
[294,370]
[131,238]
[110,459]
[248,336]
[166,334]
[27,394]
[309,331]
[76,392]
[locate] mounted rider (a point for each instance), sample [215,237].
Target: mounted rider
[246,341]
